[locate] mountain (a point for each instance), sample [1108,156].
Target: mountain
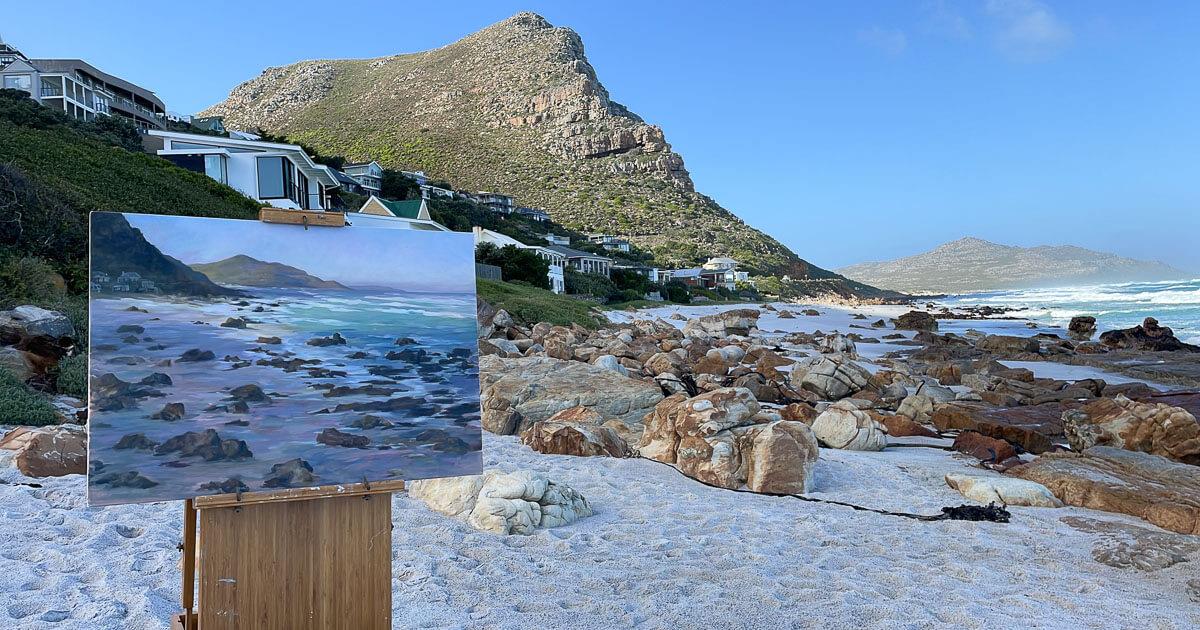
[118,247]
[514,108]
[973,264]
[244,271]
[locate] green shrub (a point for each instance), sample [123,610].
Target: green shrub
[515,263]
[676,291]
[534,305]
[72,378]
[28,280]
[21,405]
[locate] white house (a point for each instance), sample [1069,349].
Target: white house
[368,174]
[540,216]
[427,190]
[555,239]
[586,262]
[280,175]
[610,242]
[495,202]
[80,89]
[556,259]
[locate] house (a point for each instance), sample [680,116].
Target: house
[416,176]
[556,260]
[495,202]
[716,273]
[345,182]
[555,239]
[280,175]
[610,242]
[586,262]
[209,123]
[535,214]
[427,190]
[651,273]
[412,214]
[368,174]
[80,89]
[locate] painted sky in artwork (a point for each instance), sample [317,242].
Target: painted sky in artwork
[354,256]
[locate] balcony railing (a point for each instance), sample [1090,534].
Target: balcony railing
[51,91]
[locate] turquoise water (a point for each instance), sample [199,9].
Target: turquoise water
[1175,304]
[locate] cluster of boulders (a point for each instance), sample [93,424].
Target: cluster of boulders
[504,503]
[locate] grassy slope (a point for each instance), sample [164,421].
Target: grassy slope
[537,305]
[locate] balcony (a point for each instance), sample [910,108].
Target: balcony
[48,92]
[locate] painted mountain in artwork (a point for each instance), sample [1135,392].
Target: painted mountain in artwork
[244,271]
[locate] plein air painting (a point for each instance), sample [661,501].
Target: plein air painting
[235,356]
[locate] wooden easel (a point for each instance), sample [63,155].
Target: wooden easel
[292,558]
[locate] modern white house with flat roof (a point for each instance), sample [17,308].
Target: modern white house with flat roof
[79,89]
[368,174]
[608,241]
[555,259]
[279,175]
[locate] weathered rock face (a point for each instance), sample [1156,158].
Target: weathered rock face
[1147,336]
[1161,491]
[783,455]
[902,426]
[834,378]
[563,438]
[984,448]
[1002,490]
[1007,344]
[47,451]
[838,344]
[514,503]
[738,321]
[36,330]
[916,320]
[845,426]
[1082,327]
[1034,428]
[519,392]
[1147,427]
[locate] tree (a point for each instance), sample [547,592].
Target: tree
[517,264]
[630,280]
[595,285]
[398,186]
[676,291]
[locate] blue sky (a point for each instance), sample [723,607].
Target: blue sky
[850,131]
[410,260]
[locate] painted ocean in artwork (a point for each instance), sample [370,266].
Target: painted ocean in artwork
[242,356]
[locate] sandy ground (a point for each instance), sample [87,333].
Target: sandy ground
[662,551]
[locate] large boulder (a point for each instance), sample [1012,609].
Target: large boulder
[843,425]
[584,440]
[1119,422]
[738,321]
[838,344]
[834,378]
[1002,490]
[37,330]
[1163,492]
[513,503]
[782,457]
[47,451]
[521,391]
[1035,428]
[1147,336]
[1082,327]
[1007,344]
[916,320]
[17,362]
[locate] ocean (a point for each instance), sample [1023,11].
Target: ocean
[1174,303]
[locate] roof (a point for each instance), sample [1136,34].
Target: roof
[72,65]
[575,253]
[686,273]
[410,209]
[343,178]
[310,168]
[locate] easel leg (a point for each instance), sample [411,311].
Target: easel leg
[189,565]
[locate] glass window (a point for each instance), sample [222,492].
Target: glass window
[214,167]
[270,178]
[18,82]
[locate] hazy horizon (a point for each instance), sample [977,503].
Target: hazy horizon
[1020,121]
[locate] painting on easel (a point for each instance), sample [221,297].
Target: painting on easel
[236,356]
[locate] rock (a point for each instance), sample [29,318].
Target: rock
[207,445]
[704,436]
[502,319]
[845,426]
[1119,422]
[916,320]
[405,341]
[833,378]
[584,440]
[249,393]
[916,407]
[234,322]
[37,330]
[170,412]
[663,363]
[838,344]
[333,437]
[903,426]
[782,457]
[1153,488]
[1033,428]
[136,441]
[498,347]
[196,355]
[294,473]
[336,339]
[229,486]
[270,341]
[786,314]
[1007,344]
[610,363]
[514,503]
[1082,327]
[127,479]
[157,379]
[1148,336]
[734,322]
[799,412]
[1002,490]
[17,362]
[946,373]
[984,448]
[521,391]
[47,451]
[811,312]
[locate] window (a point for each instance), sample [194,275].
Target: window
[214,167]
[18,82]
[271,178]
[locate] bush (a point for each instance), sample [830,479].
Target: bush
[676,291]
[533,305]
[72,376]
[595,285]
[28,280]
[21,405]
[515,263]
[628,279]
[399,187]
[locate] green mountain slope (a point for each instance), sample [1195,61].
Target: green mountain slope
[514,108]
[242,270]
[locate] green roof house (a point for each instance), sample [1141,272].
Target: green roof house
[414,213]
